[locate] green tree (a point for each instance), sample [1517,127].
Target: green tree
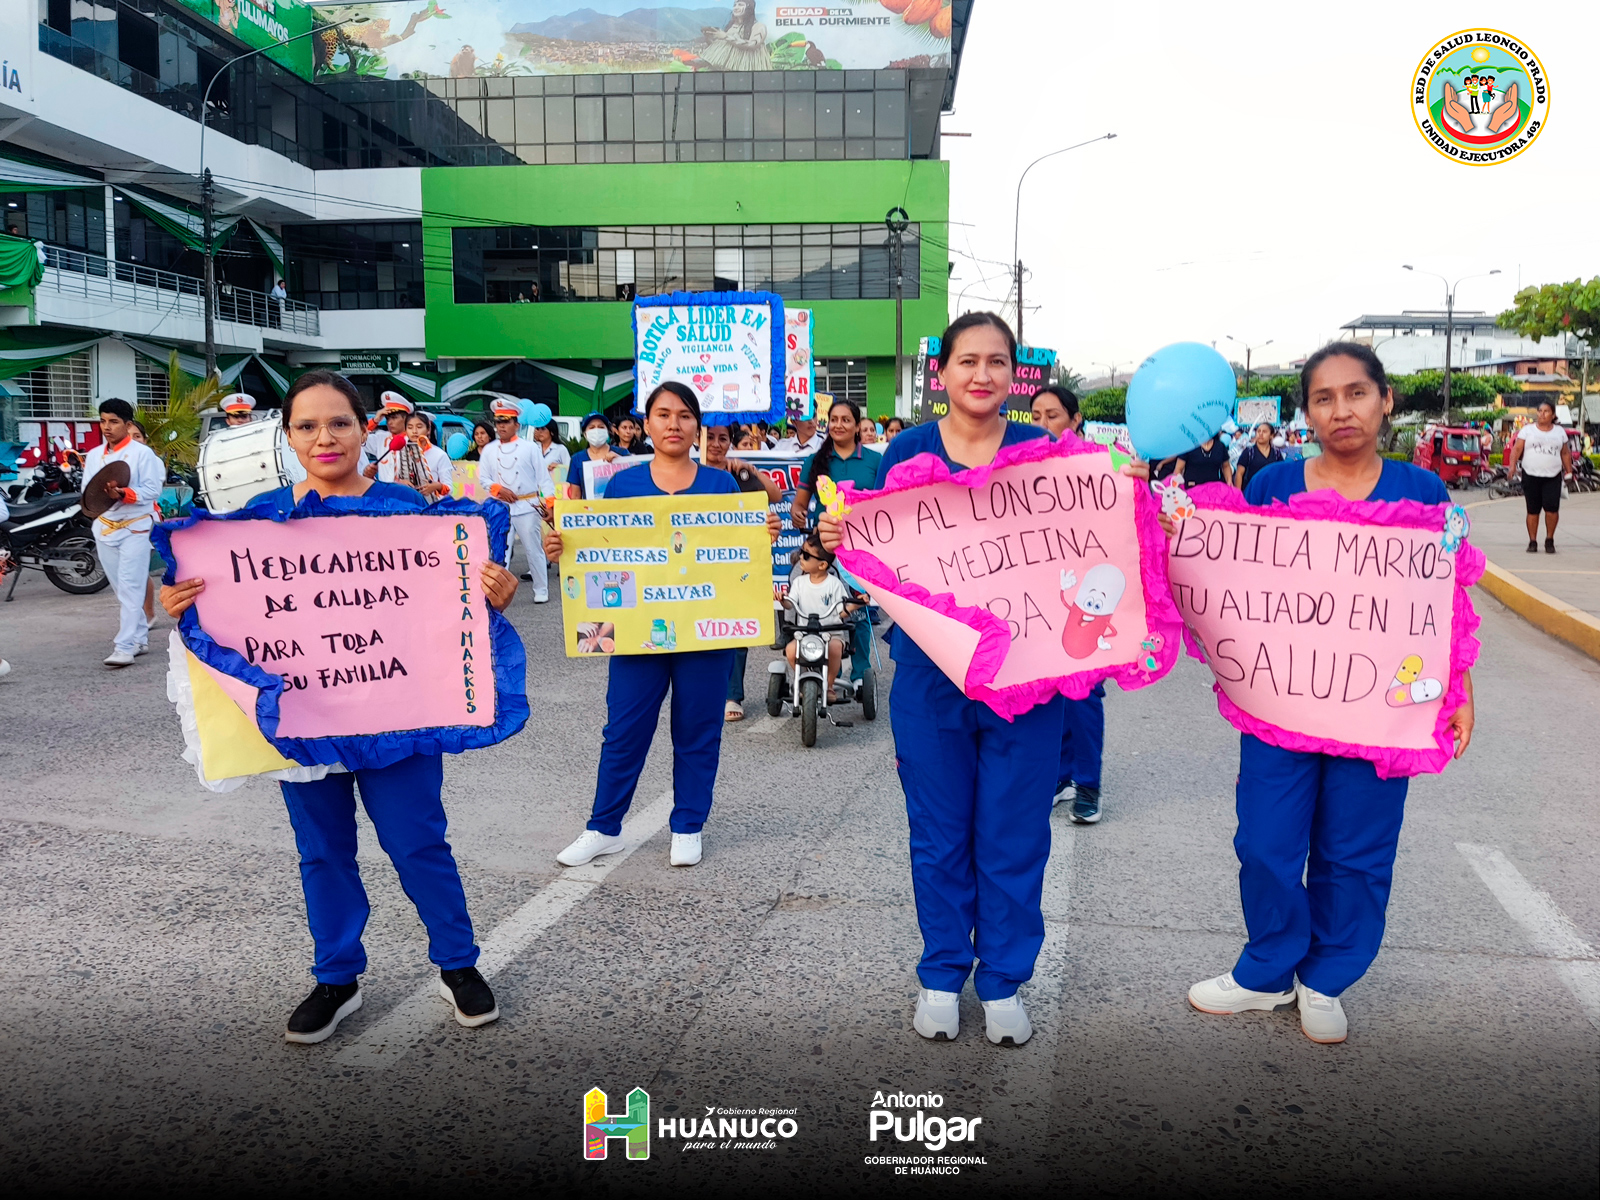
[174,431]
[1559,310]
[1108,404]
[1069,379]
[1424,391]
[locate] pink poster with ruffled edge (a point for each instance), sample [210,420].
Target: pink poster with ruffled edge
[970,643]
[1329,506]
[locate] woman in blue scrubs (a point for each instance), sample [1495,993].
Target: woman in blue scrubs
[639,682]
[325,422]
[978,791]
[1326,820]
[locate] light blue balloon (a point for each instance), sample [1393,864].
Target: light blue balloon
[458,445]
[540,416]
[1180,396]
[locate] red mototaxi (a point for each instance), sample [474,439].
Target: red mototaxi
[1457,455]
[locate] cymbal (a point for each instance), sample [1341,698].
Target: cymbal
[95,501]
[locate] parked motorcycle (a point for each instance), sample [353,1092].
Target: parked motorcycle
[51,534]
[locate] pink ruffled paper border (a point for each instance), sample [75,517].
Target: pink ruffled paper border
[994,641]
[1328,505]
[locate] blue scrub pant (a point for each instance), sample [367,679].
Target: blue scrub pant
[861,644]
[978,795]
[1083,739]
[699,678]
[1334,821]
[741,657]
[403,801]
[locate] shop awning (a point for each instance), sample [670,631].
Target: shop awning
[271,244]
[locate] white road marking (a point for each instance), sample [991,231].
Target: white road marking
[424,1011]
[1549,929]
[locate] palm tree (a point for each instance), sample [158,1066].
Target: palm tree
[174,431]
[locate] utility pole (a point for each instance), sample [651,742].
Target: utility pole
[1449,320]
[1016,218]
[208,188]
[898,221]
[1248,351]
[1019,302]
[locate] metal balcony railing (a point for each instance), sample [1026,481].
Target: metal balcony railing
[94,277]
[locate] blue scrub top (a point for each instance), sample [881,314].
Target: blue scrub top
[282,501]
[637,482]
[926,439]
[575,468]
[1399,481]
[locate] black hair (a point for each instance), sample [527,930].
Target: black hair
[120,409]
[432,434]
[672,386]
[480,423]
[1370,363]
[974,320]
[822,460]
[813,543]
[894,421]
[139,425]
[1069,401]
[1545,402]
[323,378]
[749,24]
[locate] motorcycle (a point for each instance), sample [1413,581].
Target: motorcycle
[48,531]
[804,687]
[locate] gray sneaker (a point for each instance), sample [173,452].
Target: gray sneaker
[1086,805]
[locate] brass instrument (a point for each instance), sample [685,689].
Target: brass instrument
[411,467]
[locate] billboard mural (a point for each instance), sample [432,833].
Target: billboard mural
[415,39]
[259,23]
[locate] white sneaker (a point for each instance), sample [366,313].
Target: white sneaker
[938,1014]
[541,597]
[5,668]
[118,658]
[685,849]
[1321,1017]
[1223,996]
[1007,1021]
[1067,793]
[591,844]
[144,648]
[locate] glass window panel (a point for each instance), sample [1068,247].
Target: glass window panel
[708,118]
[679,117]
[890,119]
[736,81]
[644,272]
[470,111]
[526,85]
[758,269]
[593,152]
[855,80]
[560,154]
[830,81]
[497,86]
[649,152]
[738,151]
[589,85]
[857,148]
[558,124]
[647,125]
[858,114]
[590,119]
[708,151]
[647,83]
[799,151]
[500,123]
[786,266]
[699,269]
[847,235]
[831,149]
[558,85]
[699,235]
[530,119]
[875,264]
[830,115]
[619,119]
[816,266]
[876,234]
[799,81]
[669,270]
[885,149]
[642,237]
[609,238]
[769,151]
[619,153]
[890,78]
[817,235]
[728,269]
[768,81]
[741,123]
[800,117]
[728,235]
[618,85]
[913,270]
[769,115]
[846,280]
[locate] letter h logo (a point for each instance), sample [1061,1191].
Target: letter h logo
[633,1126]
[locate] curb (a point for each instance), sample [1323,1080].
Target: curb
[1541,609]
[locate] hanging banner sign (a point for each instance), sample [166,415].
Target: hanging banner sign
[728,347]
[1042,573]
[659,574]
[353,637]
[800,374]
[1332,625]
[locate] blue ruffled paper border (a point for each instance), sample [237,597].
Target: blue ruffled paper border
[778,409]
[364,751]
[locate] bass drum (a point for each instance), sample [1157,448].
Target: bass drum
[239,462]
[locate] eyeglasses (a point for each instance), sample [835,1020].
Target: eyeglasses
[339,427]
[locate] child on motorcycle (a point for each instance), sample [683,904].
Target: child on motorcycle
[820,593]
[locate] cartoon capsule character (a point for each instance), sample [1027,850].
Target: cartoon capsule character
[1089,625]
[832,500]
[1408,686]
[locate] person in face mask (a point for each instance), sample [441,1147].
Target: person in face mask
[597,433]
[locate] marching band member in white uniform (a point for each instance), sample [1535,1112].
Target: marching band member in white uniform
[512,470]
[122,533]
[419,431]
[238,408]
[393,409]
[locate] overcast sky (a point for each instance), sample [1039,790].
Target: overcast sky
[1267,179]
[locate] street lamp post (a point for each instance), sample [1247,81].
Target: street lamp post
[208,189]
[1449,320]
[1112,367]
[1016,254]
[898,221]
[1248,351]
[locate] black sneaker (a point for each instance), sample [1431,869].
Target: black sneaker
[1533,546]
[469,995]
[1086,805]
[1549,545]
[526,577]
[319,1014]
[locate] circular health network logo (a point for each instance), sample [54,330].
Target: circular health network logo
[1480,96]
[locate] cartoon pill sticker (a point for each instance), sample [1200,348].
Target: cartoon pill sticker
[1407,686]
[1089,623]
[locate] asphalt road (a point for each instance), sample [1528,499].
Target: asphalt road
[154,943]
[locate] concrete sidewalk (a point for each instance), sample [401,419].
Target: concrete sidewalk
[1560,592]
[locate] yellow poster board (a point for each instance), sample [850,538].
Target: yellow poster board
[665,574]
